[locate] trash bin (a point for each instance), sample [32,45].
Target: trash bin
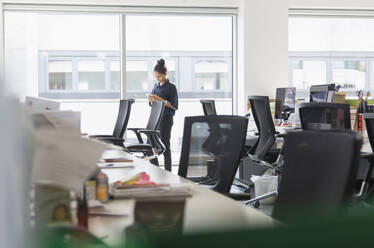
[264,185]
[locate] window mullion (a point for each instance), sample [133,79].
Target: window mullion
[368,75]
[290,73]
[329,72]
[75,74]
[123,56]
[45,73]
[108,77]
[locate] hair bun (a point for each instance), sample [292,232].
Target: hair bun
[161,67]
[161,62]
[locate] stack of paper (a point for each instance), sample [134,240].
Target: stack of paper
[157,191]
[68,121]
[65,159]
[115,165]
[39,103]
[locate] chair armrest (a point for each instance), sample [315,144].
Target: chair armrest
[280,135]
[135,129]
[150,134]
[99,136]
[145,131]
[260,162]
[111,139]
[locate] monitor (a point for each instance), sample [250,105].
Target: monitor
[321,93]
[284,102]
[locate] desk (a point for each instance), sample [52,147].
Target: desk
[205,211]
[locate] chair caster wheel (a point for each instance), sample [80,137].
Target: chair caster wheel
[256,204]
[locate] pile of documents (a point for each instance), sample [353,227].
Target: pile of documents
[64,158]
[140,186]
[157,191]
[68,121]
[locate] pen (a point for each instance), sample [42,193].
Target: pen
[110,165]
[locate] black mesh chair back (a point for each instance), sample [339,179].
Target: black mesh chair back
[123,117]
[155,116]
[262,115]
[369,121]
[319,173]
[217,138]
[209,107]
[324,116]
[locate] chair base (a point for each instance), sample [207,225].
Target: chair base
[256,201]
[203,180]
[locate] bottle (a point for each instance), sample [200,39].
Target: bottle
[90,189]
[82,213]
[102,192]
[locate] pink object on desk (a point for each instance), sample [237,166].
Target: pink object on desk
[144,180]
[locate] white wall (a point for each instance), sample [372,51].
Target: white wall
[263,48]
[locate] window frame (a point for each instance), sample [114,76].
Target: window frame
[329,57]
[225,59]
[179,58]
[75,57]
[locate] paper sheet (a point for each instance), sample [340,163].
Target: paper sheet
[68,121]
[65,158]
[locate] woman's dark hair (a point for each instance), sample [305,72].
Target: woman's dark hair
[161,67]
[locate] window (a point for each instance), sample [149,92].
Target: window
[350,74]
[79,75]
[115,76]
[137,75]
[331,50]
[211,75]
[307,72]
[198,54]
[98,77]
[71,57]
[91,75]
[60,75]
[62,56]
[76,58]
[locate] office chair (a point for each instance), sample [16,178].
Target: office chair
[121,124]
[267,136]
[209,107]
[324,116]
[369,120]
[266,131]
[218,138]
[154,146]
[319,173]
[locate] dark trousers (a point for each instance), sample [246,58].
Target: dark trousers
[165,133]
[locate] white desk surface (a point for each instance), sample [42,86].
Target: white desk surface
[206,210]
[365,145]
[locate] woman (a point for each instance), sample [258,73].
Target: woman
[164,90]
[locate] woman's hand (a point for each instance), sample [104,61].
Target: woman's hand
[152,98]
[157,98]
